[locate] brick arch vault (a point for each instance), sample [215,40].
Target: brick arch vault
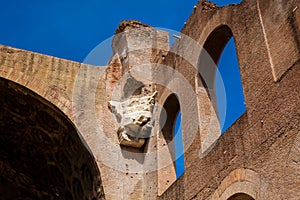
[42,154]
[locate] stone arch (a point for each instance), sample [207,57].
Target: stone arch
[42,154]
[217,40]
[213,47]
[50,77]
[210,56]
[171,107]
[241,182]
[166,157]
[241,196]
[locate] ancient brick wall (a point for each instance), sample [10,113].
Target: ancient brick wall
[257,156]
[262,139]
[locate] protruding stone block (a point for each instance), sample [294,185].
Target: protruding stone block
[134,116]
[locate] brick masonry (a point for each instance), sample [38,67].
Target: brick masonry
[258,155]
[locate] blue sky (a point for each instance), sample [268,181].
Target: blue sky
[70,29]
[179,148]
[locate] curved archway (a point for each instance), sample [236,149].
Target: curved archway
[216,42]
[243,181]
[41,153]
[171,107]
[171,136]
[219,75]
[240,196]
[210,56]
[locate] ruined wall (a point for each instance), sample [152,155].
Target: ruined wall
[82,92]
[258,155]
[254,155]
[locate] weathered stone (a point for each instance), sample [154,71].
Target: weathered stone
[208,6]
[41,155]
[134,116]
[127,25]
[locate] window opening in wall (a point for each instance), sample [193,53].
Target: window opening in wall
[179,150]
[170,144]
[219,74]
[229,73]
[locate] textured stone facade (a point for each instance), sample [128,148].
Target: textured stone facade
[59,137]
[134,116]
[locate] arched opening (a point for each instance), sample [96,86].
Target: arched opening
[230,75]
[170,142]
[41,153]
[240,196]
[179,150]
[219,74]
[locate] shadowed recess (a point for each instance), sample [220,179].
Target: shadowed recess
[240,196]
[234,106]
[172,131]
[220,47]
[41,154]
